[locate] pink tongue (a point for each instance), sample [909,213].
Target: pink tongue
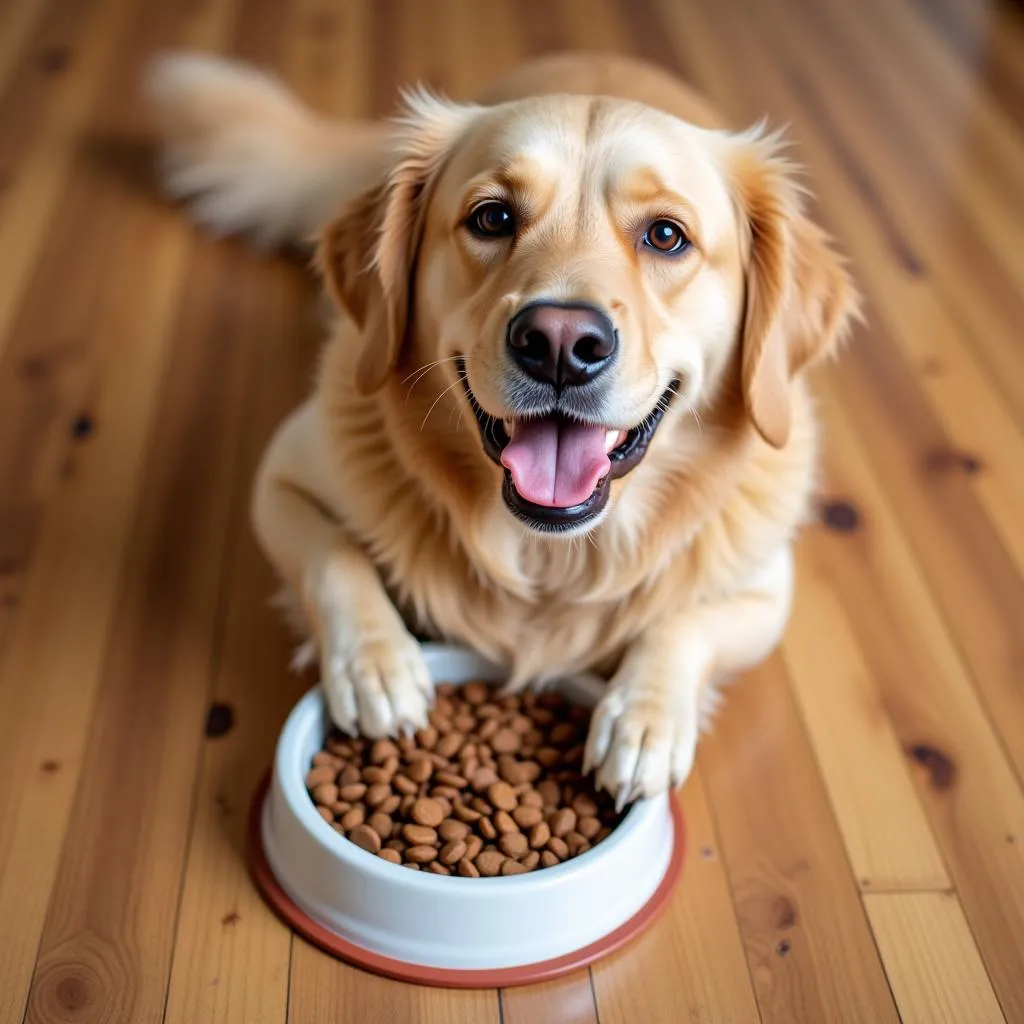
[556,463]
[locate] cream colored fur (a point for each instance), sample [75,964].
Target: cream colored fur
[375,501]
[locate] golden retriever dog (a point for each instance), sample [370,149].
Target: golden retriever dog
[562,416]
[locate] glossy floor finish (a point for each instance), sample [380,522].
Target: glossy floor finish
[856,819]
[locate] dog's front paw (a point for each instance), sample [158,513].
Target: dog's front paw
[640,745]
[376,687]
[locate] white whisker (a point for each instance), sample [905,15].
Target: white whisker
[458,380]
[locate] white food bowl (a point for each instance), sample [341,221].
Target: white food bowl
[453,931]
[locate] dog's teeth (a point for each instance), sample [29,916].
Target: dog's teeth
[510,427]
[612,439]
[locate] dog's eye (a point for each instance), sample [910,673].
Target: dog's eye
[665,236]
[492,220]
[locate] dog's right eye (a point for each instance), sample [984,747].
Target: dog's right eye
[492,219]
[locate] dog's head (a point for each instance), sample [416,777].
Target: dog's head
[586,274]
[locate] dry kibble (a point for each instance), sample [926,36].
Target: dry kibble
[353,818]
[364,836]
[380,823]
[489,863]
[493,786]
[539,835]
[558,848]
[501,795]
[431,812]
[319,775]
[526,816]
[382,750]
[450,830]
[506,741]
[452,853]
[514,844]
[377,794]
[419,835]
[326,793]
[421,854]
[562,821]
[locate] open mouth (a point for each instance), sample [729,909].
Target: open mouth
[558,469]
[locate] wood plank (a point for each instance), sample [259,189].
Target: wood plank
[886,835]
[810,951]
[324,989]
[690,965]
[108,932]
[568,1000]
[967,787]
[48,690]
[232,955]
[933,964]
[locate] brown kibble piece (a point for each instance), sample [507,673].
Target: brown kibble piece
[548,859]
[514,844]
[319,775]
[392,856]
[326,813]
[353,791]
[420,770]
[503,823]
[412,867]
[322,758]
[502,797]
[430,812]
[562,821]
[531,798]
[506,741]
[420,854]
[574,841]
[548,757]
[353,818]
[483,779]
[489,863]
[377,794]
[450,830]
[474,844]
[539,835]
[419,835]
[390,805]
[326,793]
[438,869]
[527,817]
[456,782]
[350,776]
[512,867]
[550,792]
[382,750]
[588,827]
[487,829]
[452,853]
[558,848]
[475,693]
[427,738]
[449,745]
[364,836]
[468,869]
[404,784]
[381,824]
[467,814]
[585,806]
[531,860]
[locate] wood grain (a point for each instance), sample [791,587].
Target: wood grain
[936,973]
[856,820]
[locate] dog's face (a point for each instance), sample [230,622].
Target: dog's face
[588,272]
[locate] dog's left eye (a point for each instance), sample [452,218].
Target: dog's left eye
[492,220]
[665,236]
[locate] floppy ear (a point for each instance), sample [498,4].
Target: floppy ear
[800,299]
[367,255]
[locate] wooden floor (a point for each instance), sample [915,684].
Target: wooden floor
[857,818]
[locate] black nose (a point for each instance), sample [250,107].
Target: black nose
[562,344]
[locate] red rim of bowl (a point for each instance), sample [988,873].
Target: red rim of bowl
[500,977]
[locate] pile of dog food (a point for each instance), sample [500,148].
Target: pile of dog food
[493,786]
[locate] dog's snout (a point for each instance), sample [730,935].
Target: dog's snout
[562,344]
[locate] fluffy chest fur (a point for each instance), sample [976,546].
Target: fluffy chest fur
[413,489]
